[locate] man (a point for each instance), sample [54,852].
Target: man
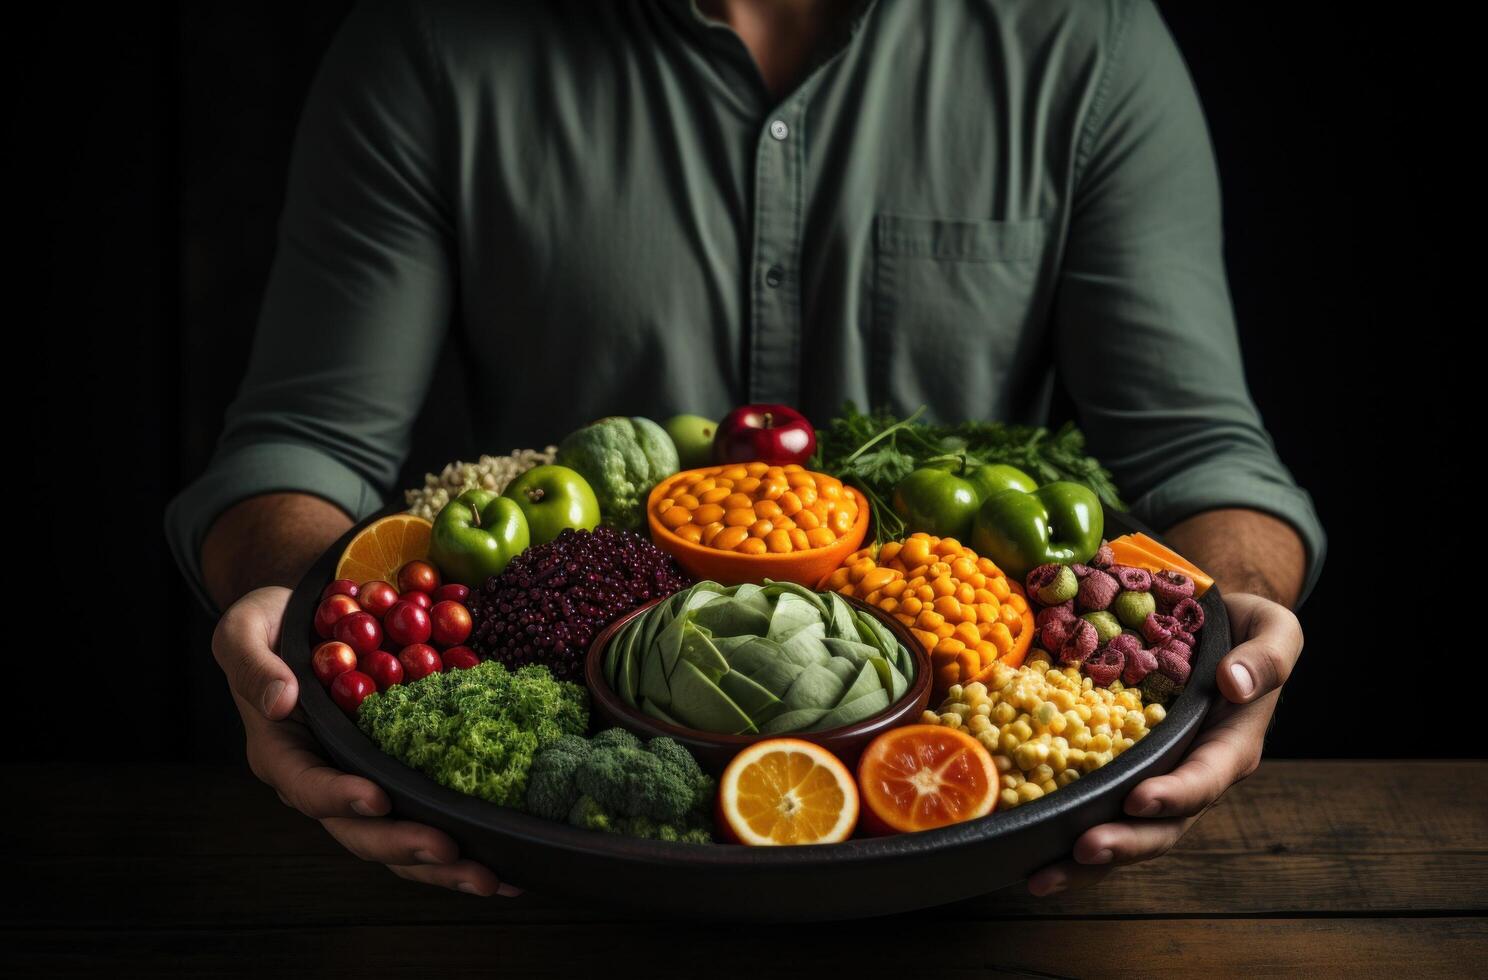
[648,208]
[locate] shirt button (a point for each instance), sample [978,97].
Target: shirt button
[779,129]
[774,276]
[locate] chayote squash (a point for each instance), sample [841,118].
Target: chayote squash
[622,458]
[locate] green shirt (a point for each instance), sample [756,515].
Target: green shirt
[609,207]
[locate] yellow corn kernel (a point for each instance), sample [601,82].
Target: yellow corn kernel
[1008,741]
[1153,714]
[1029,791]
[1067,776]
[1008,799]
[1003,713]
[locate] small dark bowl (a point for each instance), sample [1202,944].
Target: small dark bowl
[866,876]
[713,751]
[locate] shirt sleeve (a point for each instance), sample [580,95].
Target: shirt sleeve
[359,294]
[1145,329]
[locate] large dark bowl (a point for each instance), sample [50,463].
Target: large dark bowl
[714,751]
[831,881]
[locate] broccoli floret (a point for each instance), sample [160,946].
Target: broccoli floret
[615,784]
[477,730]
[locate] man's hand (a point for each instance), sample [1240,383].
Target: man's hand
[283,753]
[1227,749]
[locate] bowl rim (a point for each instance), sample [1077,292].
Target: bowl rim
[599,690]
[355,752]
[856,533]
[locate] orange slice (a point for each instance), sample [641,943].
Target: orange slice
[787,791]
[383,547]
[920,777]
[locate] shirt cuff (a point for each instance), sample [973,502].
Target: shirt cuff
[250,471]
[1202,488]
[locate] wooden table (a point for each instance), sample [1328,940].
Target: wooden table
[1357,868]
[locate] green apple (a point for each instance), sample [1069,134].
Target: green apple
[475,535]
[553,498]
[693,437]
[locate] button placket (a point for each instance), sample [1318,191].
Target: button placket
[775,335]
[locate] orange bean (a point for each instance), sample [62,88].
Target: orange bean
[1001,638]
[942,585]
[807,494]
[912,605]
[760,529]
[799,539]
[704,485]
[927,639]
[945,631]
[707,514]
[734,473]
[821,537]
[831,491]
[836,580]
[988,612]
[998,586]
[774,473]
[887,603]
[841,521]
[790,504]
[792,468]
[772,490]
[965,593]
[982,595]
[725,483]
[1010,618]
[798,479]
[690,532]
[779,542]
[687,500]
[963,568]
[756,468]
[739,517]
[895,587]
[667,503]
[948,607]
[714,494]
[737,501]
[728,539]
[878,577]
[926,593]
[747,485]
[929,619]
[906,620]
[916,551]
[675,517]
[1017,602]
[710,531]
[752,546]
[889,552]
[768,509]
[806,519]
[782,522]
[968,633]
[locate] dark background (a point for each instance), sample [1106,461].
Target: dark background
[148,154]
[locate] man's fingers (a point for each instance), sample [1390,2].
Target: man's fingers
[392,841]
[243,645]
[1270,643]
[279,753]
[1128,841]
[461,876]
[1065,876]
[1221,756]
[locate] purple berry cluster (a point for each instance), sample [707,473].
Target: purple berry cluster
[550,602]
[1121,623]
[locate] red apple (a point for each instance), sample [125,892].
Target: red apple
[331,658]
[348,690]
[342,586]
[419,660]
[459,658]
[776,434]
[360,631]
[418,576]
[407,623]
[384,668]
[451,592]
[420,599]
[450,623]
[377,598]
[331,611]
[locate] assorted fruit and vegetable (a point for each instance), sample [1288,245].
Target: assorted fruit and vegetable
[883,627]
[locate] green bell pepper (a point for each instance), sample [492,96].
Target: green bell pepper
[1059,522]
[475,535]
[943,499]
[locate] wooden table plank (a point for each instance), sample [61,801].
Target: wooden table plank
[1423,947]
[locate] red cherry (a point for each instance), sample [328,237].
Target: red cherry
[420,599]
[451,592]
[384,668]
[419,660]
[377,598]
[342,586]
[330,659]
[407,623]
[450,623]
[418,576]
[459,658]
[348,690]
[331,611]
[360,632]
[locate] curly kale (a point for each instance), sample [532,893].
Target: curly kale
[616,784]
[476,730]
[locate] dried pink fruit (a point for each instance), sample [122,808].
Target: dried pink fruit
[1171,588]
[1106,666]
[1158,629]
[1054,633]
[1132,579]
[1097,590]
[1179,649]
[1064,612]
[1104,557]
[1190,615]
[1172,666]
[1081,570]
[1139,663]
[1079,644]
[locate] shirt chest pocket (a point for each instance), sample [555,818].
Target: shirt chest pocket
[951,304]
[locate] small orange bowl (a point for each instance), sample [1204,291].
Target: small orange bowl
[806,568]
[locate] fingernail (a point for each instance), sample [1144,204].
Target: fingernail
[470,889]
[424,857]
[508,891]
[1101,857]
[359,807]
[1150,810]
[1244,683]
[271,696]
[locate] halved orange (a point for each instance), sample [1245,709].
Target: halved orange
[920,777]
[383,547]
[787,791]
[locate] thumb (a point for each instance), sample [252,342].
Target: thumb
[244,644]
[1270,643]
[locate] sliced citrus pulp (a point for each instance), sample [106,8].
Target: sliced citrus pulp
[787,791]
[383,547]
[920,777]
